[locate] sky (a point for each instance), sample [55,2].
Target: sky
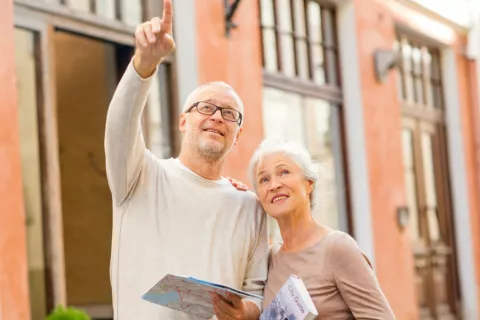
[460,11]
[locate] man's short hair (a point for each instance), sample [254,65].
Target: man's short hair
[191,99]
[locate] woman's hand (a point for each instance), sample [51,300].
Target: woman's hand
[238,184]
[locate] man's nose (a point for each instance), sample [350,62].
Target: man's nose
[217,116]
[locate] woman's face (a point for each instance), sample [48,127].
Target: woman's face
[281,185]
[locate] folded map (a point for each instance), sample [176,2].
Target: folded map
[190,295]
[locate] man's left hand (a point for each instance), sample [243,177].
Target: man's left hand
[233,307]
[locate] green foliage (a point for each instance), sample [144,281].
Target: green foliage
[62,313]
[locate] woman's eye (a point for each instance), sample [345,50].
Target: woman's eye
[284,172]
[263,180]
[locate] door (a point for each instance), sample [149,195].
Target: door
[431,229]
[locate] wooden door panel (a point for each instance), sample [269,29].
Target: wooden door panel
[426,180]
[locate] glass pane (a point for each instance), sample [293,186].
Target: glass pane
[158,138]
[30,161]
[417,60]
[435,66]
[399,72]
[269,50]
[314,22]
[419,90]
[318,66]
[417,71]
[302,59]
[437,95]
[131,11]
[282,119]
[317,117]
[299,18]
[267,13]
[430,190]
[80,5]
[407,69]
[106,8]
[288,58]
[410,183]
[283,115]
[286,37]
[409,86]
[329,27]
[284,15]
[331,64]
[427,61]
[319,137]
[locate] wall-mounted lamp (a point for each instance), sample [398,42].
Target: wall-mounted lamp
[385,60]
[403,217]
[230,8]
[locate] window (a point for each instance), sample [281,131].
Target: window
[299,41]
[426,177]
[30,153]
[129,12]
[302,96]
[420,79]
[97,40]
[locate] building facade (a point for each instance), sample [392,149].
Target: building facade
[383,93]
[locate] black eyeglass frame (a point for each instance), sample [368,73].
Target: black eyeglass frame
[195,105]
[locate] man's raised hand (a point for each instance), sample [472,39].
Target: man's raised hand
[154,41]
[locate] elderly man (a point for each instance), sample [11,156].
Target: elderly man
[179,215]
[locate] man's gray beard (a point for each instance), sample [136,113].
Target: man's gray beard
[211,151]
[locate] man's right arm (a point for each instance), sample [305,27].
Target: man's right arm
[124,143]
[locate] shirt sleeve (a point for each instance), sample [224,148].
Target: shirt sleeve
[124,142]
[257,267]
[357,282]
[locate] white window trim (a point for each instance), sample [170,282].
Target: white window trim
[354,129]
[186,50]
[459,186]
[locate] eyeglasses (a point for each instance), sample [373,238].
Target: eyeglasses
[209,109]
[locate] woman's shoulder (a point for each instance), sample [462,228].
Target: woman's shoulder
[342,246]
[337,238]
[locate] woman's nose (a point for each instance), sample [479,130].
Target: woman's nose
[274,185]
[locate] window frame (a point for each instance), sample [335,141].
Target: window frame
[332,94]
[327,91]
[420,119]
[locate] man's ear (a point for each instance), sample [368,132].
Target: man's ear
[182,123]
[237,136]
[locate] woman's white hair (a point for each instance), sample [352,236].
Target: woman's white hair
[294,151]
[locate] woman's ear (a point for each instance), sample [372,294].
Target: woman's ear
[310,186]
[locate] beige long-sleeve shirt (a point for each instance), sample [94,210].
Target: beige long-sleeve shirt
[167,219]
[337,276]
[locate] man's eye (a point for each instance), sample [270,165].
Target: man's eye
[207,108]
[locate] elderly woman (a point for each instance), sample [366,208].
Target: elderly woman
[337,275]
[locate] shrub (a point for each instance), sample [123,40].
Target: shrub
[62,313]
